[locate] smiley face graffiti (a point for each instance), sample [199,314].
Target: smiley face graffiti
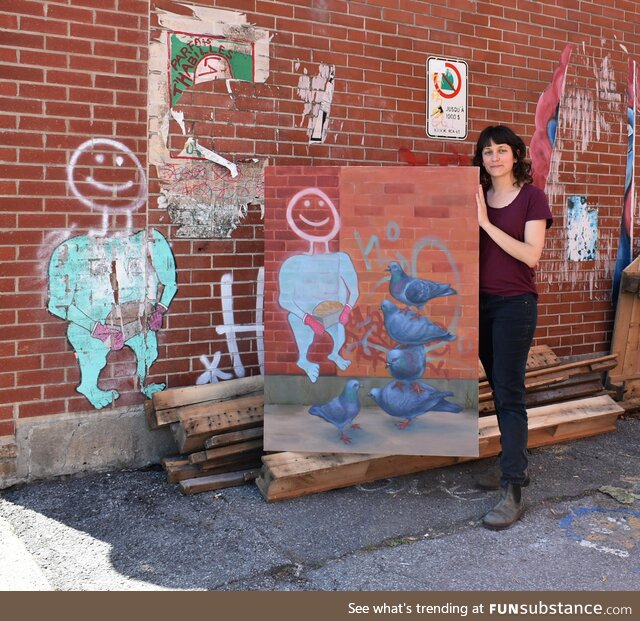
[107,176]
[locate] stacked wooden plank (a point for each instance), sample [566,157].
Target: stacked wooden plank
[549,381]
[218,429]
[288,475]
[624,378]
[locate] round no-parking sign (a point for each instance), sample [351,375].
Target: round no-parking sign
[447,98]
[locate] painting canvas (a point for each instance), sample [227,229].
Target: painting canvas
[371,289]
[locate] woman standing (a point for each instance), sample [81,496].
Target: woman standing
[513,216]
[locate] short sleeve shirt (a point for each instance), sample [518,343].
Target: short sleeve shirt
[500,273]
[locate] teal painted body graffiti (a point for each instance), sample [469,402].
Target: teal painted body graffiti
[113,291]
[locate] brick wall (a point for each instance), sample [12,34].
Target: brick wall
[75,71]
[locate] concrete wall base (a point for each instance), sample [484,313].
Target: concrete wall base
[51,446]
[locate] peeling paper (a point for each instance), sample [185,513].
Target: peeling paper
[317,94]
[582,230]
[203,203]
[207,22]
[193,146]
[201,199]
[179,117]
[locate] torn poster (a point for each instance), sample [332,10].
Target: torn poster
[582,230]
[207,201]
[317,94]
[204,190]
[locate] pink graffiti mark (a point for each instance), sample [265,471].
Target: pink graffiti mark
[214,184]
[546,121]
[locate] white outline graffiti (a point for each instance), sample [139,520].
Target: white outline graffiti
[212,374]
[110,191]
[230,329]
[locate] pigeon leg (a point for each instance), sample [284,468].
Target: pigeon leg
[345,438]
[399,385]
[417,388]
[404,424]
[356,426]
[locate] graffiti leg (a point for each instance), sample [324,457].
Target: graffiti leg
[338,335]
[145,347]
[92,358]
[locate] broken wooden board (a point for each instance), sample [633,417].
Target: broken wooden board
[540,356]
[226,416]
[225,451]
[625,341]
[289,475]
[225,439]
[218,481]
[179,469]
[167,403]
[569,390]
[538,377]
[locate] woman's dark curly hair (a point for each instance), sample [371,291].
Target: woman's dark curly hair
[501,134]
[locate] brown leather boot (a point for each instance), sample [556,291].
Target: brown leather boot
[508,511]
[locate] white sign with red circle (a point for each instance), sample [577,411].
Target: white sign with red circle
[447,98]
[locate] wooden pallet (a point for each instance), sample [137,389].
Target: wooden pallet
[625,341]
[168,405]
[563,382]
[289,475]
[218,429]
[540,357]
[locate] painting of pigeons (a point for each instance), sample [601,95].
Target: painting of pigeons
[370,310]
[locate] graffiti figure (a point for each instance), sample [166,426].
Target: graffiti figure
[318,289]
[107,288]
[113,291]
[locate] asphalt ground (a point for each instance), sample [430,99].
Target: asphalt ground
[134,531]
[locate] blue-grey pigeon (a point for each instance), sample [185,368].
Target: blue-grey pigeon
[409,328]
[409,404]
[407,363]
[341,410]
[414,291]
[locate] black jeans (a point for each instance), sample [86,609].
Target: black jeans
[507,325]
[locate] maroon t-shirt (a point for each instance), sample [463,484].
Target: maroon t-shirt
[500,273]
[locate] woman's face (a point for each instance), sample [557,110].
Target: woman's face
[498,159]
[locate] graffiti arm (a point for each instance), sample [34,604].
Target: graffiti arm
[350,278]
[164,265]
[287,284]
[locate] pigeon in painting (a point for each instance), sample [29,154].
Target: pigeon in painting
[414,291]
[341,410]
[408,404]
[409,328]
[407,363]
